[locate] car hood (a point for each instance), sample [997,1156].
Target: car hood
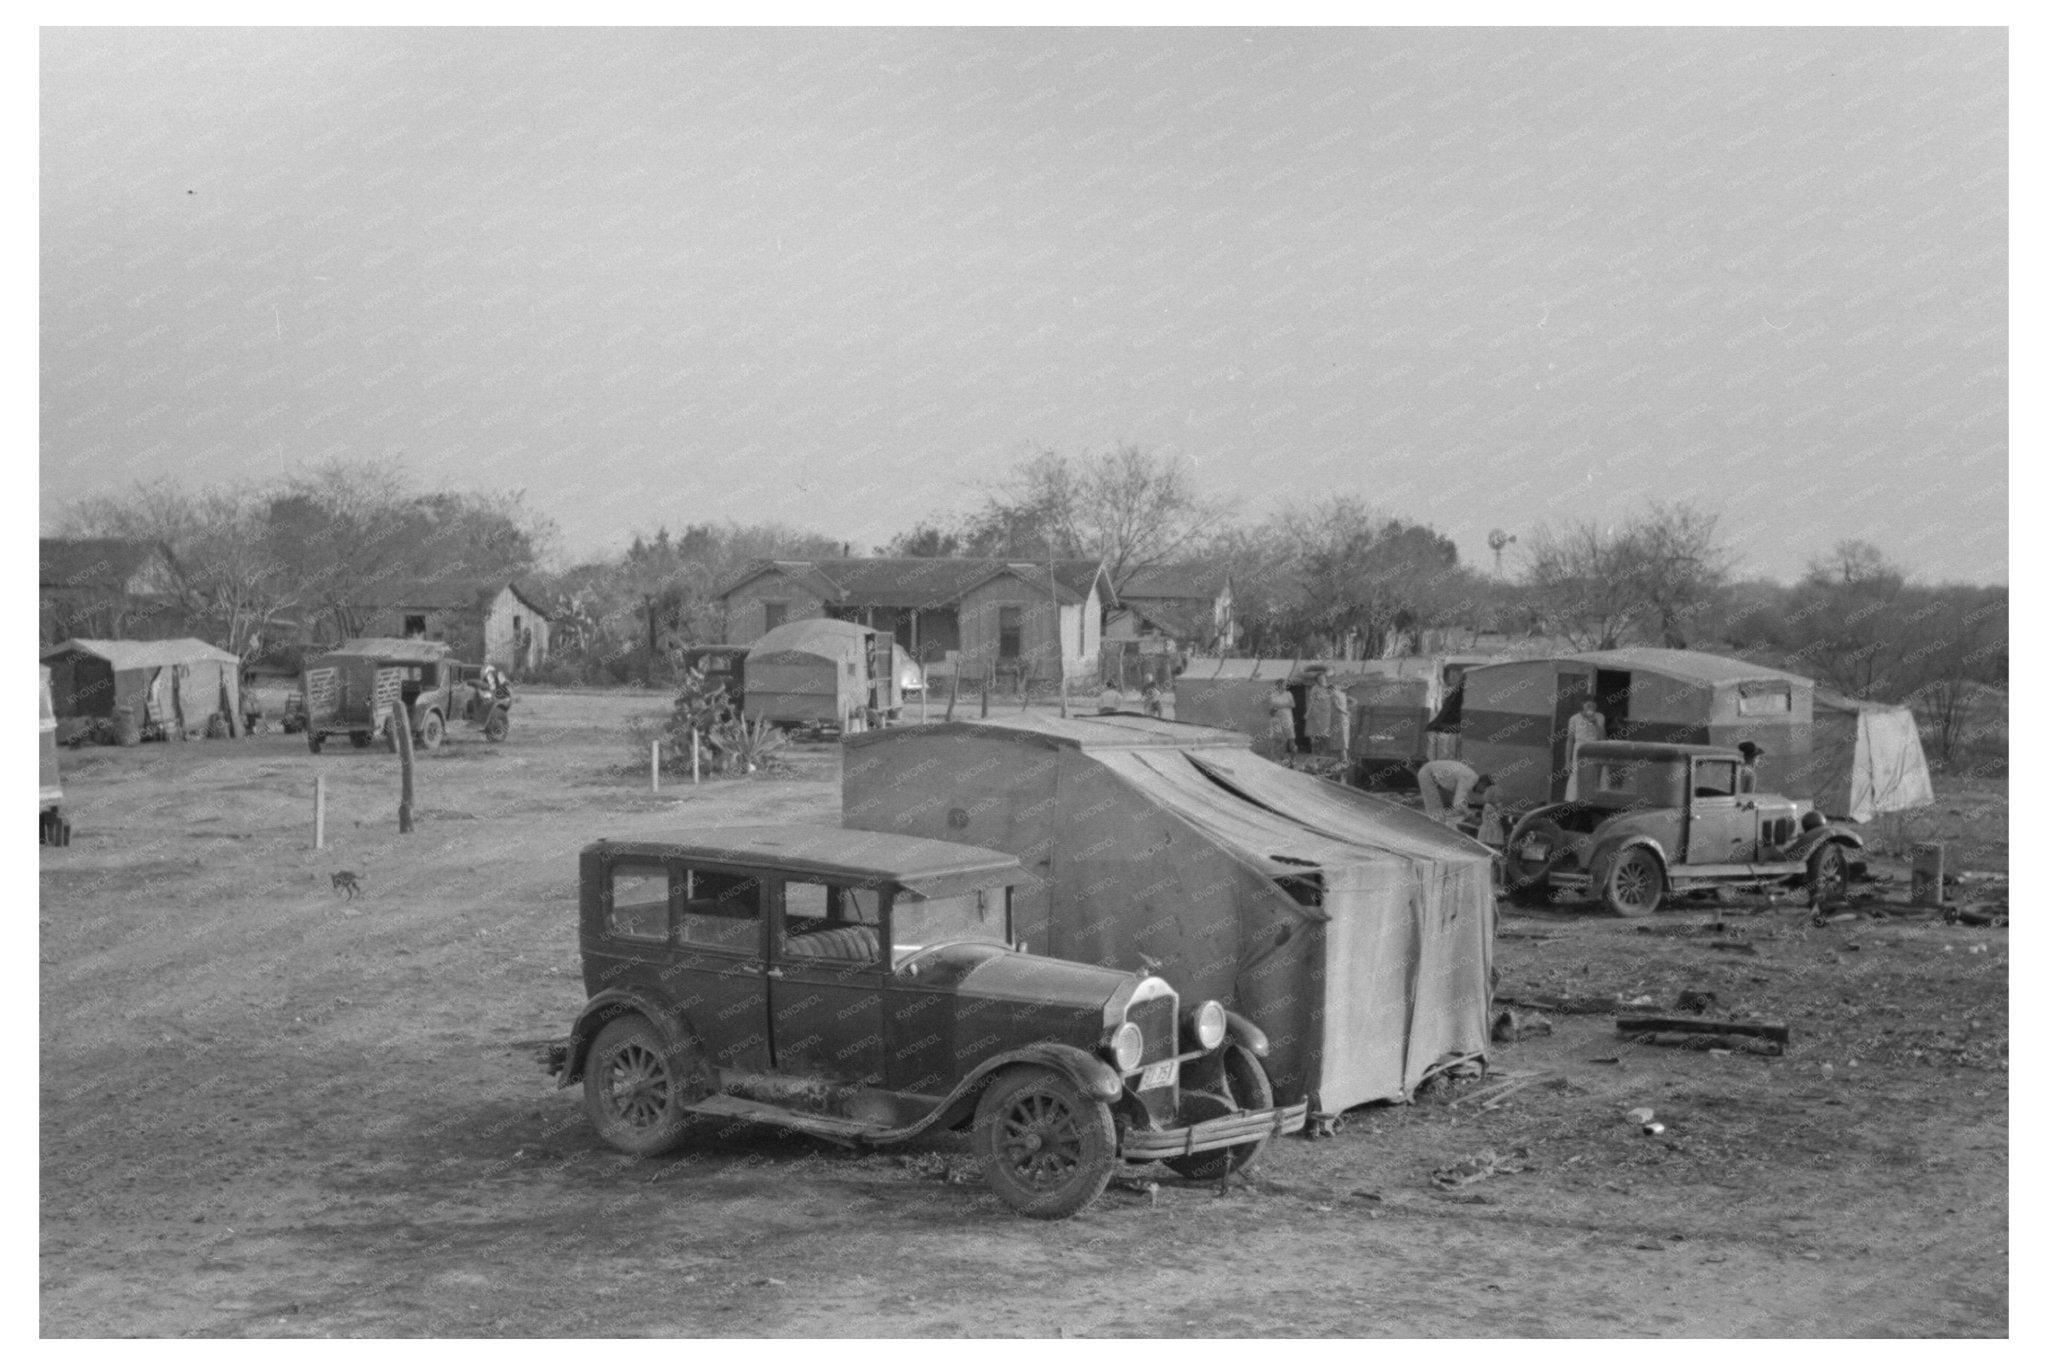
[986,972]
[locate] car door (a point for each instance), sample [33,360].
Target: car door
[720,973]
[1723,824]
[824,982]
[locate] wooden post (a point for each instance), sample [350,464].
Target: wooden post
[953,689]
[320,810]
[654,764]
[988,680]
[694,778]
[402,725]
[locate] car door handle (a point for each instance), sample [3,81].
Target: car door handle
[775,972]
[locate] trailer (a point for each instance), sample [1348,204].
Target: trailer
[349,695]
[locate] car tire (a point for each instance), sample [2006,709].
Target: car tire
[359,738]
[1634,885]
[635,1086]
[431,731]
[1523,878]
[498,726]
[1827,873]
[1242,1085]
[1047,1149]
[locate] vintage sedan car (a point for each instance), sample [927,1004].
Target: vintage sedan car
[866,988]
[1658,819]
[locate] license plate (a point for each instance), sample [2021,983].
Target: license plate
[1535,850]
[1158,1074]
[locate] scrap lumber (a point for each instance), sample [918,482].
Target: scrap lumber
[1697,1023]
[1712,1042]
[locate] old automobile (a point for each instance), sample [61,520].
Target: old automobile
[866,988]
[356,687]
[1653,820]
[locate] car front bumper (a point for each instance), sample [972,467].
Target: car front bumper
[1156,1144]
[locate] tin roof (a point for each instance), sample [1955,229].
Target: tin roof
[1200,582]
[828,851]
[126,654]
[917,582]
[397,651]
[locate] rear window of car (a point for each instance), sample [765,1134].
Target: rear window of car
[639,902]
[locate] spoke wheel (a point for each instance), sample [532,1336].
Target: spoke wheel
[1827,874]
[1048,1149]
[1635,884]
[634,1088]
[430,731]
[1240,1084]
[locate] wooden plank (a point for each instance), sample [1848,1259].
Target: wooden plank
[1695,1023]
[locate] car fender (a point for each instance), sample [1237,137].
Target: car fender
[1091,1074]
[1603,856]
[608,1005]
[1803,847]
[1247,1035]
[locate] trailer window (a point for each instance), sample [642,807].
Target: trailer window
[1776,701]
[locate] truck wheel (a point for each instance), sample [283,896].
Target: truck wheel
[1827,873]
[1048,1149]
[314,739]
[1243,1085]
[430,731]
[634,1087]
[1635,884]
[498,726]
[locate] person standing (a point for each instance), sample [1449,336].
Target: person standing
[1584,728]
[1280,717]
[1321,710]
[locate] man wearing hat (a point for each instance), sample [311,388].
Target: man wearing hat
[1745,779]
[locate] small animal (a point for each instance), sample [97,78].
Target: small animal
[349,882]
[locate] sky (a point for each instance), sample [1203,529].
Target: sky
[846,279]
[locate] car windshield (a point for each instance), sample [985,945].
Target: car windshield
[920,922]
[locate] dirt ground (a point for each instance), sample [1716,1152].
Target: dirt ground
[269,1110]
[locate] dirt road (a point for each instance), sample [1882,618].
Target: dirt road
[269,1110]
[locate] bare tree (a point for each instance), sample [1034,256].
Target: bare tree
[1654,576]
[1127,507]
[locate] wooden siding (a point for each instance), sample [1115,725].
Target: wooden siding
[746,609]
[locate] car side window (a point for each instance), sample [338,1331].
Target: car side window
[722,910]
[639,902]
[825,922]
[1713,777]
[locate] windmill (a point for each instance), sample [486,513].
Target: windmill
[1496,541]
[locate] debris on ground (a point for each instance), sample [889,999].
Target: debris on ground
[1701,1024]
[1471,1169]
[1492,1095]
[1697,1002]
[1512,1025]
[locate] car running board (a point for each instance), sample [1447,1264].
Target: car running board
[848,1132]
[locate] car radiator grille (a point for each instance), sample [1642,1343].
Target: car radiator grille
[1158,1019]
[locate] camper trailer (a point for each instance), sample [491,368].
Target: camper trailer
[823,674]
[1359,933]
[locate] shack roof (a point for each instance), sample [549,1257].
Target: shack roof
[827,851]
[1183,582]
[397,651]
[1047,729]
[917,582]
[126,654]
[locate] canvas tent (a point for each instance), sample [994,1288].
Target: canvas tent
[821,672]
[1866,759]
[1357,934]
[1514,714]
[173,684]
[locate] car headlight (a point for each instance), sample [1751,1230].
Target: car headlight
[1127,1045]
[1208,1024]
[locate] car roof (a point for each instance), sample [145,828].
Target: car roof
[827,850]
[1640,752]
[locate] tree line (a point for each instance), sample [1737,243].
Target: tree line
[1329,576]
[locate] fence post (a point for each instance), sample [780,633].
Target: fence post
[401,723]
[654,763]
[320,810]
[694,776]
